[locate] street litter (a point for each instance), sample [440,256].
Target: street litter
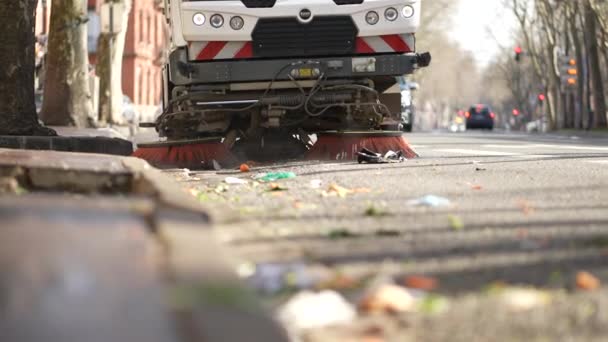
[221,188]
[244,168]
[519,299]
[308,310]
[235,181]
[371,157]
[274,176]
[587,281]
[388,298]
[272,278]
[316,183]
[430,201]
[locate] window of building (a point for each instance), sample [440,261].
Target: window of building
[141,25]
[93,30]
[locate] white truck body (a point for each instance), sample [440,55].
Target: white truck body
[286,63]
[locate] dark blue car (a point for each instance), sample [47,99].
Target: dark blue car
[480,117]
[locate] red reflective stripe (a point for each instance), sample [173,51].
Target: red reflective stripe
[396,43]
[211,50]
[363,47]
[245,52]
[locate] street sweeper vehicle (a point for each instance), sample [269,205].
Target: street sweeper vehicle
[269,79]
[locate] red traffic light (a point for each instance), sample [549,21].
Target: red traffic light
[515,112]
[541,97]
[518,50]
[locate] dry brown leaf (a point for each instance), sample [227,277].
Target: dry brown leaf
[339,282]
[526,207]
[421,283]
[587,281]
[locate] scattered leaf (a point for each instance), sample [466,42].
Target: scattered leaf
[341,234]
[387,232]
[275,187]
[526,207]
[221,188]
[587,281]
[336,190]
[421,283]
[477,187]
[374,211]
[434,304]
[455,222]
[202,197]
[339,282]
[599,242]
[361,190]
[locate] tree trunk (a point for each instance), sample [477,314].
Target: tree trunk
[106,64]
[595,72]
[581,103]
[67,96]
[17,108]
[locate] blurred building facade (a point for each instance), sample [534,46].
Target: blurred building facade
[144,45]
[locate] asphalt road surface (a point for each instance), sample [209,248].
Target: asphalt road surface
[523,209]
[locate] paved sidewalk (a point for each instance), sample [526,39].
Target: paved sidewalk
[104,248]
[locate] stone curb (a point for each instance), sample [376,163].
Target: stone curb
[104,145]
[194,280]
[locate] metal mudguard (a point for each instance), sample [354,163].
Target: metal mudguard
[183,72]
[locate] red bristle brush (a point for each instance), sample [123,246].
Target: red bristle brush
[345,145]
[191,154]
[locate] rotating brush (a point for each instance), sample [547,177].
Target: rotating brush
[191,154]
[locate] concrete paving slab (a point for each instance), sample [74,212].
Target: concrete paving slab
[106,248]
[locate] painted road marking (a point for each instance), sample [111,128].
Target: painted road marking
[534,156]
[603,162]
[477,152]
[575,147]
[518,146]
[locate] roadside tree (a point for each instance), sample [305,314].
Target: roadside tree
[110,49]
[17,105]
[67,96]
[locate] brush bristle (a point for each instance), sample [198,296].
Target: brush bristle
[192,156]
[335,147]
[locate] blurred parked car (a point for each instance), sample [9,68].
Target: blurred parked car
[480,116]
